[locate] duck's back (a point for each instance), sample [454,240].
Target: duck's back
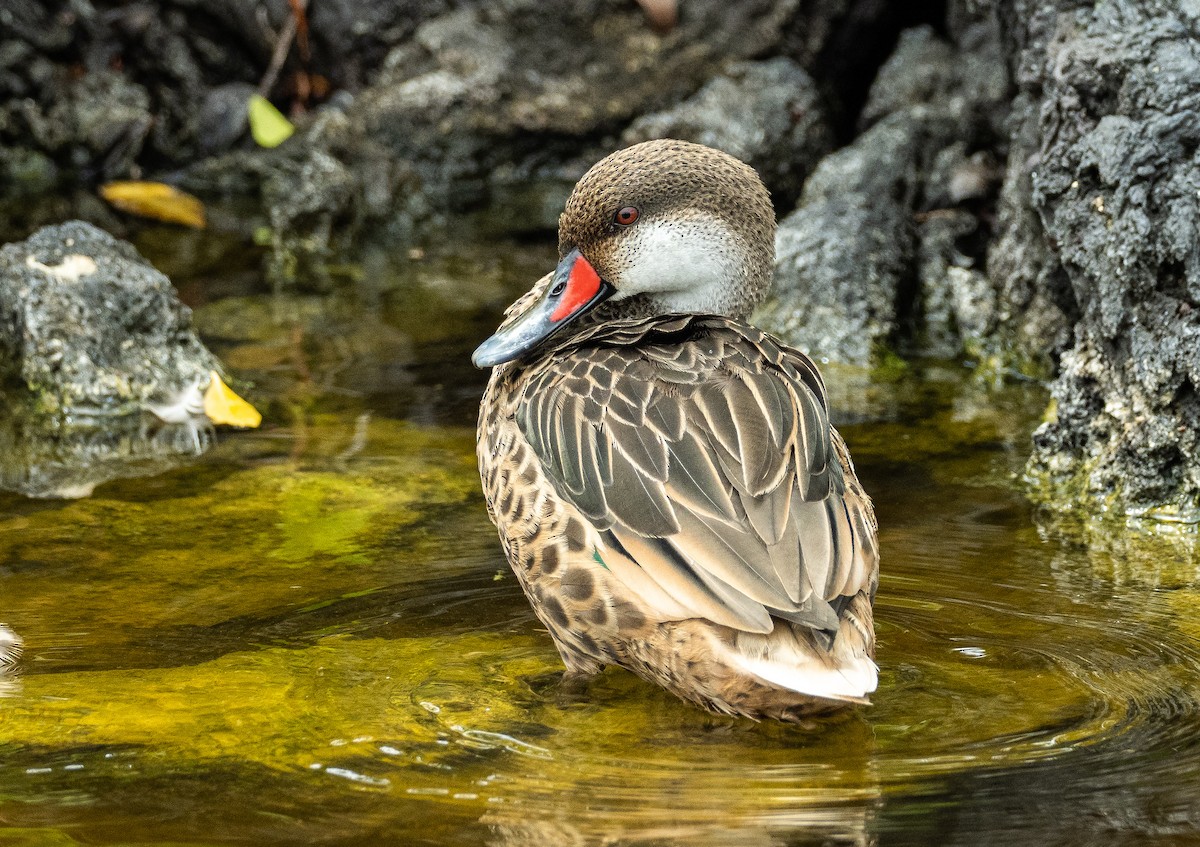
[674,500]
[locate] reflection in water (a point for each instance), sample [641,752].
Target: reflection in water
[11,648]
[41,457]
[309,635]
[827,822]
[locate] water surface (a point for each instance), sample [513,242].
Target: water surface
[309,635]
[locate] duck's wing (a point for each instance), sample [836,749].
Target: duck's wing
[701,452]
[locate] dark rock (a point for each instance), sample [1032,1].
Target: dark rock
[90,328]
[1116,185]
[849,263]
[927,71]
[95,119]
[99,122]
[110,118]
[1036,307]
[524,82]
[26,173]
[768,114]
[439,107]
[956,301]
[842,44]
[842,255]
[304,199]
[104,88]
[45,26]
[22,215]
[480,103]
[223,117]
[351,37]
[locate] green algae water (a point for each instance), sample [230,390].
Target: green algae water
[310,635]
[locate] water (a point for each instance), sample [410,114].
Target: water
[309,635]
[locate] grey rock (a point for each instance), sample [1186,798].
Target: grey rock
[223,117]
[521,82]
[841,255]
[99,121]
[178,54]
[88,327]
[441,108]
[303,199]
[520,65]
[1035,303]
[26,173]
[956,301]
[484,99]
[849,258]
[1116,185]
[924,69]
[768,114]
[39,24]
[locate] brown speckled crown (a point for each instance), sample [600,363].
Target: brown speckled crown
[672,180]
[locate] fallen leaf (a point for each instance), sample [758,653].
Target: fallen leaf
[155,200]
[223,406]
[267,124]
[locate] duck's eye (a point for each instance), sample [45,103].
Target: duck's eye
[558,289]
[626,216]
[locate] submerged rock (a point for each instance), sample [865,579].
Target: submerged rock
[1116,186]
[851,267]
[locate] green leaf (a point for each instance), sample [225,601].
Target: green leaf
[267,124]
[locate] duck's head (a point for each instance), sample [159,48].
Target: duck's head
[663,227]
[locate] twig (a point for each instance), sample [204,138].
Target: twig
[283,44]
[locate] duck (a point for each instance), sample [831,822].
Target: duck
[663,475]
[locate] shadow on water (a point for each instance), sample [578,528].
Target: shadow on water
[309,635]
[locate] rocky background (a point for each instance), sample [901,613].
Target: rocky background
[1015,182]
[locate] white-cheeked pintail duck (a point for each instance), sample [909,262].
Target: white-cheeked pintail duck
[664,476]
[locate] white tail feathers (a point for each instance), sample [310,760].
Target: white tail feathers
[848,681]
[783,660]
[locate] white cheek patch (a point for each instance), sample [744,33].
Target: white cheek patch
[692,264]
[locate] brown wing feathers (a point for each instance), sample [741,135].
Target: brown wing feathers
[708,469]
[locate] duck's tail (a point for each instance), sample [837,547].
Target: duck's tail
[794,658]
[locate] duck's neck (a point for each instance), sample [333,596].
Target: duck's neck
[693,263]
[719,300]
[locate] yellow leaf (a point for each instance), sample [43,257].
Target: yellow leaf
[222,406]
[267,124]
[155,200]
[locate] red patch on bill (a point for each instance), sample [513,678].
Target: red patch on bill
[582,286]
